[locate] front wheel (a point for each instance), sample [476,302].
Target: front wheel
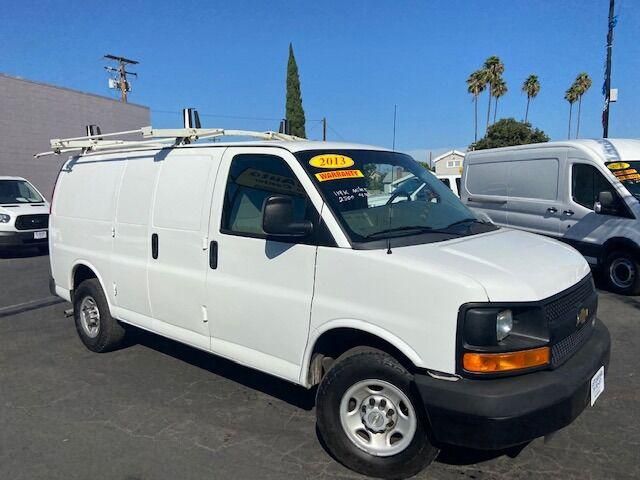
[622,270]
[369,417]
[97,329]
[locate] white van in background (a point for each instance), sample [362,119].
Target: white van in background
[420,324]
[451,181]
[24,215]
[583,192]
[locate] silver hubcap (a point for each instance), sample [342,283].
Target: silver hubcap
[378,417]
[622,272]
[90,317]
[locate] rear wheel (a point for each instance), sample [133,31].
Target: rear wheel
[369,417]
[622,270]
[97,329]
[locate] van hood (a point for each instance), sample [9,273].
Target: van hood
[511,265]
[15,209]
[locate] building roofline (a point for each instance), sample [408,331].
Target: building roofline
[445,154]
[49,85]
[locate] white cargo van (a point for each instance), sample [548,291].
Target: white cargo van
[583,192]
[421,325]
[24,215]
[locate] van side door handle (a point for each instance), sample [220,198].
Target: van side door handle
[552,210]
[213,255]
[154,246]
[568,212]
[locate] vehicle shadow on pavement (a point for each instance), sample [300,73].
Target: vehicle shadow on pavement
[6,254]
[292,394]
[450,455]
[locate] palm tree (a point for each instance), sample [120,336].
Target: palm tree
[475,86]
[571,95]
[582,84]
[498,89]
[491,72]
[531,87]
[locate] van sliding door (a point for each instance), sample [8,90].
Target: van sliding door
[177,240]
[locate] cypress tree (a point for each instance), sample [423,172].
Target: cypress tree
[294,110]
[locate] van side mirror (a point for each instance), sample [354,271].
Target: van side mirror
[277,218]
[604,203]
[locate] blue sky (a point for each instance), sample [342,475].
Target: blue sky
[356,59]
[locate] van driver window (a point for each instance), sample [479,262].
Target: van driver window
[586,183]
[252,178]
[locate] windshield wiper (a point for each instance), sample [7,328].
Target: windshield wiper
[419,228]
[425,229]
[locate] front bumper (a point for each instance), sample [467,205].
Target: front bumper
[498,413]
[22,239]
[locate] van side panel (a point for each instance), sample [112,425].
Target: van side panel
[83,215]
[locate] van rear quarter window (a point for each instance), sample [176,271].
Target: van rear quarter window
[535,178]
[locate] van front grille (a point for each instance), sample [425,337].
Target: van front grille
[568,333]
[32,222]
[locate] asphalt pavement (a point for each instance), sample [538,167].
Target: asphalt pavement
[161,410]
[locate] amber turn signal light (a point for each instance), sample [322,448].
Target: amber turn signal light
[504,362]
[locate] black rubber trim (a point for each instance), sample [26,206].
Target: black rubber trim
[22,239]
[504,412]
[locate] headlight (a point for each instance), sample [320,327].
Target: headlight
[4,218]
[504,324]
[503,327]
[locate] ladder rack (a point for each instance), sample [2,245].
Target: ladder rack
[153,138]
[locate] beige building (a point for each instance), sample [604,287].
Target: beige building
[449,163]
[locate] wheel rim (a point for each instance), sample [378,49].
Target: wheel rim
[378,417]
[90,317]
[622,272]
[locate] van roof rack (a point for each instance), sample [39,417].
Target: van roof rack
[153,137]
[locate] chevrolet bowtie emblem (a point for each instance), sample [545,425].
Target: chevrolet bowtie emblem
[582,316]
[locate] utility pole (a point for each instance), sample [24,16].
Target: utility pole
[395,112]
[324,129]
[607,75]
[121,82]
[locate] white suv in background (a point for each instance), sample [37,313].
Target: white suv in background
[24,215]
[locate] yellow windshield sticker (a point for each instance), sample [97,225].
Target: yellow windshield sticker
[618,166]
[331,160]
[338,175]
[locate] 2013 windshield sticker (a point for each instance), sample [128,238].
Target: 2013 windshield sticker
[338,175]
[331,160]
[618,166]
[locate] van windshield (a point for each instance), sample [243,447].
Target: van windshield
[18,191]
[628,173]
[381,195]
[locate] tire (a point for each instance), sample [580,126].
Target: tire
[97,329]
[344,398]
[622,271]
